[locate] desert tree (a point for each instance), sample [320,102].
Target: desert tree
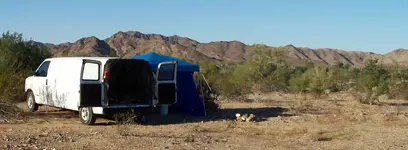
[17,58]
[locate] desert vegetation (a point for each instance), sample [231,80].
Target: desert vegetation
[266,72]
[18,57]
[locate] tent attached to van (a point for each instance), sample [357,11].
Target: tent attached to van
[188,100]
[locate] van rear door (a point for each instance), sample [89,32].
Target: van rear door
[166,83]
[91,85]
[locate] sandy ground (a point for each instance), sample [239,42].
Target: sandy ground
[283,122]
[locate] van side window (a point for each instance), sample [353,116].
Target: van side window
[91,72]
[43,69]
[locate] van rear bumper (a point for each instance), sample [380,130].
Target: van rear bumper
[122,109]
[128,106]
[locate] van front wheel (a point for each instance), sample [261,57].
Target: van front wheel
[86,115]
[31,105]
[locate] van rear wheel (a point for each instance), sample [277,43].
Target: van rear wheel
[87,116]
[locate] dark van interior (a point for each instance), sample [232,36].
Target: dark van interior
[130,81]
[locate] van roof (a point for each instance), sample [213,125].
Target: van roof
[80,58]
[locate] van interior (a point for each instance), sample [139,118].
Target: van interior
[128,81]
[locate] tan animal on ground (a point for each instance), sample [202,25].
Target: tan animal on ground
[245,117]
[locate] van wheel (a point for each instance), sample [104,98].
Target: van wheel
[87,116]
[31,105]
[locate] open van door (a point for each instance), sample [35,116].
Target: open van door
[91,85]
[166,83]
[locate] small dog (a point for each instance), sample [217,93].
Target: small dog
[245,117]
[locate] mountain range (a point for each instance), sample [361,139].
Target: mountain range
[131,43]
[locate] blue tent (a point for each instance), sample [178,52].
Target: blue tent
[188,100]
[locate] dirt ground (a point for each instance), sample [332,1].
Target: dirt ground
[283,122]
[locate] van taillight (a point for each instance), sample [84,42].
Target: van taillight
[105,76]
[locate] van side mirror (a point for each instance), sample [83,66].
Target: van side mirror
[34,73]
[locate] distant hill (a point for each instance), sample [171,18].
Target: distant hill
[132,43]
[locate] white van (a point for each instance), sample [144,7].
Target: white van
[100,85]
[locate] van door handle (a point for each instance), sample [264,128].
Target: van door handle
[46,81]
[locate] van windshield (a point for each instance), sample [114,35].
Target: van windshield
[43,69]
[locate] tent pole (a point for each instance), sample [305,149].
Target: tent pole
[201,86]
[200,83]
[206,81]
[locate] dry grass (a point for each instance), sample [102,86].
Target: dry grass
[332,135]
[9,112]
[124,121]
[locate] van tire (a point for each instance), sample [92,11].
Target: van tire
[87,116]
[31,105]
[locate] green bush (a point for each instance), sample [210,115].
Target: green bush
[398,84]
[241,80]
[372,81]
[221,79]
[299,81]
[12,86]
[211,72]
[278,80]
[17,58]
[339,78]
[319,80]
[76,54]
[265,71]
[315,80]
[372,76]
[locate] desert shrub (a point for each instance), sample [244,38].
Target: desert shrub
[206,93]
[373,81]
[398,84]
[268,71]
[314,80]
[354,72]
[127,117]
[223,79]
[299,81]
[17,58]
[339,77]
[212,74]
[124,120]
[211,104]
[67,53]
[319,80]
[12,86]
[278,80]
[9,112]
[265,71]
[76,54]
[112,53]
[241,80]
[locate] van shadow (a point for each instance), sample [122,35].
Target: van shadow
[154,118]
[61,114]
[395,104]
[262,114]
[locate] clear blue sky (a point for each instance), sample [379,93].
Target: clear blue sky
[366,25]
